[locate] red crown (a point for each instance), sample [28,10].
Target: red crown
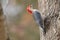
[28,9]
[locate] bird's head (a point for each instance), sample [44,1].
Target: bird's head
[29,9]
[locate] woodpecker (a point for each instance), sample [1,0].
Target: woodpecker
[37,16]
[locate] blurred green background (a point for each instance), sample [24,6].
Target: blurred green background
[23,26]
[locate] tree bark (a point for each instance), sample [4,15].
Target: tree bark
[2,28]
[50,10]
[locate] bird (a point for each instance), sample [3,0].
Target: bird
[37,16]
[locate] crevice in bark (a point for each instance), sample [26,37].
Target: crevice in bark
[52,20]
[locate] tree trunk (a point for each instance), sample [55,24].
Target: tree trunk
[50,10]
[2,28]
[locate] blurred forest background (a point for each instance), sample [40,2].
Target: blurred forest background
[19,24]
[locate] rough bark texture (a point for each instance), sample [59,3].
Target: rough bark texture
[2,28]
[51,10]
